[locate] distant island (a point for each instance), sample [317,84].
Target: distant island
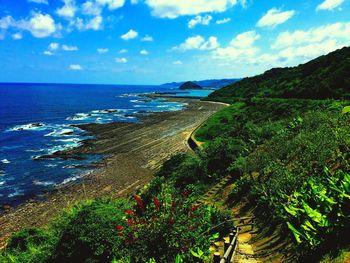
[190,85]
[205,84]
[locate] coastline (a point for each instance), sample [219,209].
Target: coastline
[134,152]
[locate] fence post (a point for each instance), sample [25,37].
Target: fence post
[226,246]
[216,257]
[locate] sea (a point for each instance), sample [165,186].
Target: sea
[39,119]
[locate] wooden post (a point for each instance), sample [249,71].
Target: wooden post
[226,245]
[232,235]
[216,257]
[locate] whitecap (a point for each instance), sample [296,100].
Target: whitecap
[71,179]
[16,193]
[2,183]
[5,161]
[37,126]
[50,165]
[43,183]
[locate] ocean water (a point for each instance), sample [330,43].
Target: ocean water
[37,119]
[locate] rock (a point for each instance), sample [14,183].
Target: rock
[190,85]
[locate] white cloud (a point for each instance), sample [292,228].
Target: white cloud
[6,22]
[69,48]
[102,50]
[245,39]
[75,67]
[94,23]
[200,20]
[39,1]
[275,17]
[337,31]
[40,25]
[134,2]
[67,10]
[131,34]
[121,60]
[91,8]
[144,52]
[147,38]
[223,21]
[112,4]
[123,51]
[329,4]
[197,42]
[177,62]
[48,53]
[17,36]
[241,48]
[53,46]
[174,8]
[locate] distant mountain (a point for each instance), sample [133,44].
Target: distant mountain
[211,83]
[190,85]
[326,77]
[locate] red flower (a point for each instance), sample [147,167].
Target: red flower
[157,203]
[139,202]
[171,221]
[173,205]
[194,208]
[186,193]
[119,228]
[120,234]
[130,212]
[131,222]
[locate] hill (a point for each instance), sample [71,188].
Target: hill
[190,85]
[210,83]
[326,77]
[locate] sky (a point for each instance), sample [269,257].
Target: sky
[158,41]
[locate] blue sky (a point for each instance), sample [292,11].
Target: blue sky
[157,41]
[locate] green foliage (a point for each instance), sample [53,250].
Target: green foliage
[320,210]
[326,77]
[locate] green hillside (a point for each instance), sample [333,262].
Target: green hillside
[324,77]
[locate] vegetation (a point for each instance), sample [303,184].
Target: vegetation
[326,77]
[283,138]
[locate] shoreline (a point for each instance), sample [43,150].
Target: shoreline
[134,152]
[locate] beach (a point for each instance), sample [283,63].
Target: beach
[134,152]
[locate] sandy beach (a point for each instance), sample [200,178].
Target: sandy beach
[135,152]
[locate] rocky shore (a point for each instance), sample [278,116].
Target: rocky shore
[133,152]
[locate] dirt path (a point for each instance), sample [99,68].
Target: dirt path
[136,151]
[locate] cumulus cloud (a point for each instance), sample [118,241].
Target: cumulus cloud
[275,17]
[336,31]
[144,52]
[53,46]
[91,8]
[39,1]
[121,60]
[69,48]
[102,50]
[175,8]
[200,20]
[75,67]
[40,25]
[67,10]
[112,4]
[17,36]
[329,4]
[94,23]
[177,62]
[197,42]
[147,38]
[241,48]
[6,22]
[123,51]
[131,34]
[223,21]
